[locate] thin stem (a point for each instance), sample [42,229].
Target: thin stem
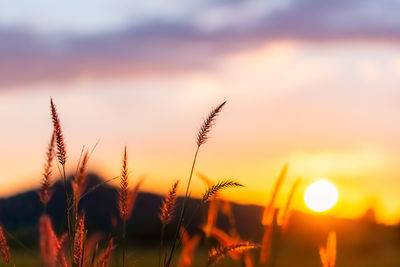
[83,256]
[123,241]
[67,201]
[94,147]
[276,242]
[80,158]
[18,242]
[92,189]
[67,211]
[168,263]
[191,171]
[76,201]
[161,244]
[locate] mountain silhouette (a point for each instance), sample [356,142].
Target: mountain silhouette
[19,215]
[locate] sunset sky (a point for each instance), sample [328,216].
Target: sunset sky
[314,84]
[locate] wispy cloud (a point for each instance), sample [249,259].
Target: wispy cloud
[152,39]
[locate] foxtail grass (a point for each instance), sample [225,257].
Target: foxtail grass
[79,240]
[80,176]
[225,240]
[219,253]
[61,148]
[284,216]
[216,188]
[45,192]
[78,183]
[132,196]
[269,217]
[202,137]
[210,194]
[226,208]
[222,237]
[189,244]
[167,211]
[212,217]
[124,183]
[91,247]
[49,244]
[60,259]
[266,243]
[123,201]
[272,239]
[207,124]
[168,204]
[4,248]
[204,178]
[328,253]
[105,257]
[127,199]
[61,154]
[269,210]
[213,207]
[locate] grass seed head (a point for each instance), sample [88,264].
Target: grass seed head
[168,204]
[207,124]
[61,148]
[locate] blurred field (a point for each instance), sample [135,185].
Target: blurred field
[147,257]
[361,243]
[120,227]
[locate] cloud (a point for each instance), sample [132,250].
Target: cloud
[189,37]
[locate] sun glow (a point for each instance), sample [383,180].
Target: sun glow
[321,196]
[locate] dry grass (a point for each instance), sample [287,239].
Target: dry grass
[123,189]
[205,128]
[79,239]
[49,245]
[221,185]
[61,148]
[60,258]
[168,205]
[105,258]
[269,210]
[284,216]
[45,194]
[328,253]
[4,248]
[78,183]
[219,253]
[74,250]
[202,137]
[189,244]
[132,195]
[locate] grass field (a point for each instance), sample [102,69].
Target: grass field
[148,257]
[276,243]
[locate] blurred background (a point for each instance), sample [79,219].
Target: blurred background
[310,83]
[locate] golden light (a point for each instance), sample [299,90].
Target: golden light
[321,196]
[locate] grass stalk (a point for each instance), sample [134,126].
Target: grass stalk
[123,241]
[276,241]
[176,236]
[202,138]
[161,244]
[67,200]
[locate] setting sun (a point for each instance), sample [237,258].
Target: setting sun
[321,196]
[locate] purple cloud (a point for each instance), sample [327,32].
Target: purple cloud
[160,46]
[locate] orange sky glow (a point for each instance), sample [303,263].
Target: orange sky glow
[328,110]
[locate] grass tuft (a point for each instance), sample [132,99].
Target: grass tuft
[221,185]
[219,253]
